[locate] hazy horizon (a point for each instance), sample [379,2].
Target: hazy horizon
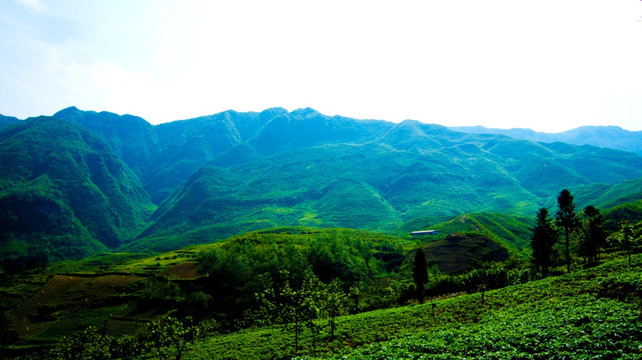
[549,66]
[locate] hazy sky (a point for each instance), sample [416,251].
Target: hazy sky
[550,65]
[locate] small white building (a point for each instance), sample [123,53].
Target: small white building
[425,233]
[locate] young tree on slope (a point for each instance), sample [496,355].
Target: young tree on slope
[567,219]
[544,238]
[420,273]
[626,239]
[594,236]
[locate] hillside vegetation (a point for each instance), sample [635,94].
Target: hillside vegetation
[64,193]
[584,314]
[97,180]
[282,234]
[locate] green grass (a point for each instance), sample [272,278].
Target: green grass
[583,314]
[579,327]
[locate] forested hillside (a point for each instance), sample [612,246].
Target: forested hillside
[64,193]
[7,120]
[411,171]
[220,175]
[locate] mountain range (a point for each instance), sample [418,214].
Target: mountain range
[613,137]
[83,181]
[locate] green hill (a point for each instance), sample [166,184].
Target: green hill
[63,192]
[513,231]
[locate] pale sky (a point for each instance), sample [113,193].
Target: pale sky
[549,65]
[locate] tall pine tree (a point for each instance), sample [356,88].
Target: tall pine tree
[594,236]
[420,273]
[567,219]
[544,238]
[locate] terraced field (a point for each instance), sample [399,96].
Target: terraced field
[65,293]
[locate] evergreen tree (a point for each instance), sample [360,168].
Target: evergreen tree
[420,273]
[544,238]
[594,236]
[567,219]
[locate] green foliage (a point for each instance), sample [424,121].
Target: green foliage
[7,120]
[334,303]
[166,338]
[631,211]
[338,180]
[68,192]
[91,343]
[170,338]
[160,291]
[420,273]
[228,173]
[510,231]
[593,235]
[543,240]
[63,190]
[246,265]
[578,327]
[567,220]
[286,302]
[606,195]
[36,219]
[588,313]
[626,240]
[131,138]
[87,344]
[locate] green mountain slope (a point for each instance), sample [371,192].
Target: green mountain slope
[131,138]
[59,180]
[608,195]
[224,174]
[7,120]
[412,170]
[186,146]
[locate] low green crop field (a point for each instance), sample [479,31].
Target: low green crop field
[587,314]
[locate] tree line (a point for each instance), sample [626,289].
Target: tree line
[583,233]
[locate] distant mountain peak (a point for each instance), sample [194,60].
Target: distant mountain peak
[611,136]
[305,112]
